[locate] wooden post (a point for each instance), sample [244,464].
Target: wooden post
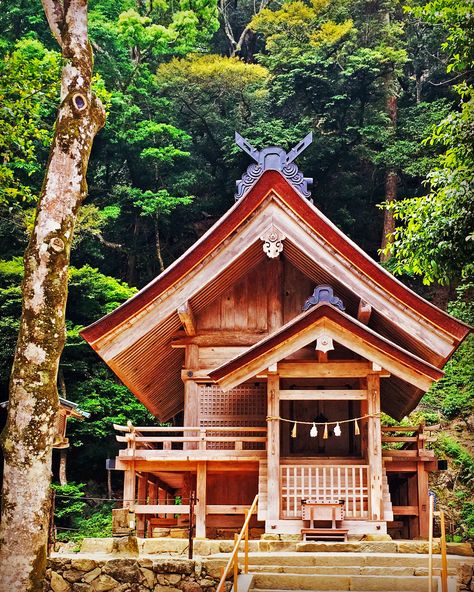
[423,513]
[191,394]
[201,500]
[141,496]
[374,448]
[129,479]
[273,452]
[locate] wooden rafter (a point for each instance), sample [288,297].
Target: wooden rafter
[186,316]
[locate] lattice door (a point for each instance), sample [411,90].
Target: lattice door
[243,406]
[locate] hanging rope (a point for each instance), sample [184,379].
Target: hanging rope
[320,423]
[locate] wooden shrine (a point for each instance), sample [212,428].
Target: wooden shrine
[272,346]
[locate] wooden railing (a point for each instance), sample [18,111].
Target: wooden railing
[413,438]
[325,483]
[233,562]
[200,438]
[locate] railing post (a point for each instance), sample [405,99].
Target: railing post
[246,545]
[430,545]
[444,560]
[236,563]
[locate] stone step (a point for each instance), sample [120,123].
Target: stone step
[360,583]
[348,570]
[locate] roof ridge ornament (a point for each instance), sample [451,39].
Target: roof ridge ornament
[273,158]
[323,293]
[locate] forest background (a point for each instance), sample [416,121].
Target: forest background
[386,88]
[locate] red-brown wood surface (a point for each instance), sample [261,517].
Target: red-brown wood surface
[310,317]
[274,181]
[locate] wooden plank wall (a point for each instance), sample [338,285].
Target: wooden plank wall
[245,305]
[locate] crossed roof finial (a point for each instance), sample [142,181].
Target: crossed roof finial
[273,158]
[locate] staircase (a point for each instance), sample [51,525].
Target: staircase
[371,572]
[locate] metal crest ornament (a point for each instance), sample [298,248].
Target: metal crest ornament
[273,158]
[272,241]
[324,343]
[323,293]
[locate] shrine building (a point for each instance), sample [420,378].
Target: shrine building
[277,342]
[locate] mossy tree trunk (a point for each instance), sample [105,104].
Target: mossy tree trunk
[28,436]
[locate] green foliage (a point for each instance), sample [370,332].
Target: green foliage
[75,518]
[435,238]
[29,88]
[448,447]
[69,505]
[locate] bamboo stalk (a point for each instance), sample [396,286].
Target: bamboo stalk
[444,559]
[430,545]
[236,562]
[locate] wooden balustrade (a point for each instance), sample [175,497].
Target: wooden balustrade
[413,438]
[325,483]
[206,438]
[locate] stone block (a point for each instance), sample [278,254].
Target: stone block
[161,546]
[173,578]
[104,583]
[145,563]
[465,571]
[81,587]
[92,575]
[206,583]
[190,587]
[123,570]
[202,548]
[58,583]
[160,588]
[160,532]
[377,537]
[214,567]
[126,546]
[83,564]
[174,566]
[148,576]
[179,533]
[377,547]
[97,545]
[464,549]
[73,575]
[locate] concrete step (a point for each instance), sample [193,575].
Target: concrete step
[357,583]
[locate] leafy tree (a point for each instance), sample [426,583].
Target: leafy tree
[436,232]
[29,85]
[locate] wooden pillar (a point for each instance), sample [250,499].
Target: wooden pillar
[412,500]
[141,499]
[129,484]
[273,452]
[374,447]
[191,395]
[423,501]
[201,487]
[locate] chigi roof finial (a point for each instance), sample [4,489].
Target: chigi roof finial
[276,159]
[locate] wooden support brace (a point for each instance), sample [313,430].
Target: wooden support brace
[364,312]
[186,316]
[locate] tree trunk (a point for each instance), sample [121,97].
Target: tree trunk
[63,466]
[28,436]
[159,256]
[391,180]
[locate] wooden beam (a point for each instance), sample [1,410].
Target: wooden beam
[186,316]
[343,369]
[221,339]
[323,395]
[201,490]
[162,509]
[364,312]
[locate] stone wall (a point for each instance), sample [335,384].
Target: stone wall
[465,578]
[130,575]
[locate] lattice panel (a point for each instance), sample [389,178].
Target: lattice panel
[243,406]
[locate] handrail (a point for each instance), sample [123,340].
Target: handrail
[131,428]
[234,557]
